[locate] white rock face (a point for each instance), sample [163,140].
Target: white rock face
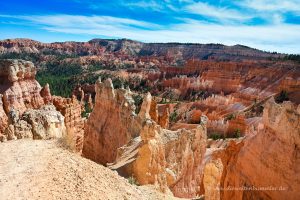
[43,123]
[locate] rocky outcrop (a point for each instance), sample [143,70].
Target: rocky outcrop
[3,118]
[112,124]
[219,157]
[263,165]
[46,94]
[170,160]
[19,92]
[71,109]
[276,168]
[137,146]
[18,85]
[43,123]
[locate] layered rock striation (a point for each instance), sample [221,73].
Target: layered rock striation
[112,124]
[19,88]
[135,145]
[72,109]
[19,91]
[262,165]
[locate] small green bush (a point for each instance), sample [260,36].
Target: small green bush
[230,117]
[283,96]
[133,181]
[216,136]
[173,117]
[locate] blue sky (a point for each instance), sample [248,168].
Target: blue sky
[272,25]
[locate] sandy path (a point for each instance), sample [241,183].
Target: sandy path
[42,170]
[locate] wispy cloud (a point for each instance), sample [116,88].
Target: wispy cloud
[272,5]
[152,5]
[277,37]
[220,13]
[79,21]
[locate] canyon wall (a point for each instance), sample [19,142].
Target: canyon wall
[26,109]
[112,123]
[71,109]
[137,146]
[263,165]
[19,88]
[270,158]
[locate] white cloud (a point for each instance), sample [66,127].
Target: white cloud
[277,37]
[220,13]
[272,5]
[153,5]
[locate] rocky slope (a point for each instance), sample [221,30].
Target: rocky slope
[135,145]
[185,163]
[19,88]
[44,170]
[263,165]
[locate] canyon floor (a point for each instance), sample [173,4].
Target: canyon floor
[46,170]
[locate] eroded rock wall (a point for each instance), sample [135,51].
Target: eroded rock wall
[3,119]
[137,146]
[263,165]
[112,124]
[19,92]
[43,123]
[18,85]
[270,158]
[71,109]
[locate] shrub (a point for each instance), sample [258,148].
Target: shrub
[237,133]
[230,117]
[133,181]
[216,136]
[87,110]
[138,100]
[173,116]
[283,96]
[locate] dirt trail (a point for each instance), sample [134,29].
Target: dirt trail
[43,170]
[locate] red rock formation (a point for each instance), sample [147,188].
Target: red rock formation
[270,158]
[46,94]
[112,124]
[71,109]
[163,119]
[19,91]
[218,157]
[170,160]
[3,119]
[154,111]
[19,88]
[137,146]
[238,125]
[263,165]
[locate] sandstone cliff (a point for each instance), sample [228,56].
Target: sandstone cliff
[19,91]
[18,85]
[71,109]
[263,165]
[3,119]
[112,123]
[135,145]
[270,158]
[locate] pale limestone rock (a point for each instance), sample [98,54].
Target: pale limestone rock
[43,123]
